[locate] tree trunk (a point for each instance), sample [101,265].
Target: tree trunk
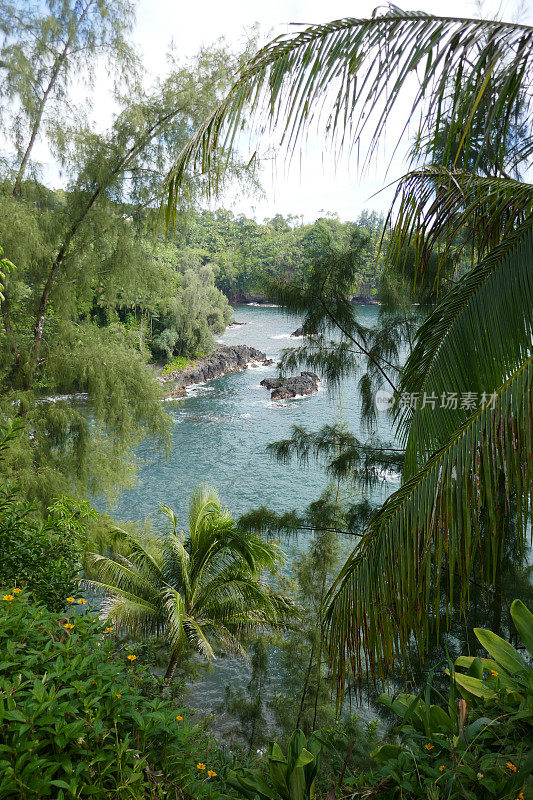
[172,664]
[60,60]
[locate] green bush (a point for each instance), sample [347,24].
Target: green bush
[474,745]
[74,722]
[43,556]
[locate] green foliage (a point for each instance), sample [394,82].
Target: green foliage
[5,266]
[473,748]
[90,280]
[246,255]
[42,554]
[44,557]
[74,722]
[290,777]
[176,364]
[507,672]
[198,591]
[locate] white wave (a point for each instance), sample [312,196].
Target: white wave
[198,389]
[258,365]
[246,416]
[390,476]
[283,336]
[57,398]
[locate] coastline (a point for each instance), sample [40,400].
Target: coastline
[224,360]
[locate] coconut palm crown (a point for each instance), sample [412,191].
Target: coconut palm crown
[199,590]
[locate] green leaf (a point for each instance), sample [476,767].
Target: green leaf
[386,752]
[501,651]
[523,621]
[473,686]
[250,784]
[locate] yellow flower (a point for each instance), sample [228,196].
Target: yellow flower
[211,773]
[81,601]
[9,597]
[521,795]
[68,625]
[428,746]
[200,766]
[119,695]
[17,590]
[493,672]
[70,600]
[511,767]
[108,630]
[179,717]
[132,658]
[442,768]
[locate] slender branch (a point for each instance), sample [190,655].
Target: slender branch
[53,78]
[357,344]
[63,250]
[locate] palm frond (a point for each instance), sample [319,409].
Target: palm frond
[351,73]
[131,615]
[197,638]
[147,563]
[120,575]
[176,561]
[175,614]
[204,502]
[474,339]
[421,545]
[437,209]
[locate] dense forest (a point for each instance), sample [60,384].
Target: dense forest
[389,657]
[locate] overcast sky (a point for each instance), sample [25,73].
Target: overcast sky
[312,185]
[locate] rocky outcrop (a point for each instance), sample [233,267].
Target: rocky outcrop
[283,388]
[222,361]
[298,332]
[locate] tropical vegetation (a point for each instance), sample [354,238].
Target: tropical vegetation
[419,604]
[467,476]
[201,590]
[75,719]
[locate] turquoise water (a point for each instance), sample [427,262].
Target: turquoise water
[221,431]
[220,434]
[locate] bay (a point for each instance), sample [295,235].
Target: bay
[220,435]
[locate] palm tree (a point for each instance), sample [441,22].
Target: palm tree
[199,591]
[464,87]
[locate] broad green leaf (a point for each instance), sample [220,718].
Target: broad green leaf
[473,686]
[501,651]
[476,669]
[523,621]
[251,784]
[467,661]
[386,752]
[304,758]
[439,720]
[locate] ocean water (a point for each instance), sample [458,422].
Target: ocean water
[220,436]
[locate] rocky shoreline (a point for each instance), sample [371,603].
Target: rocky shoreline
[222,361]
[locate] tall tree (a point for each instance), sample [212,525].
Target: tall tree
[43,53]
[84,260]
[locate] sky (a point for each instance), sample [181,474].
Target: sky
[314,184]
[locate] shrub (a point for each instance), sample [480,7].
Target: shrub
[476,745]
[74,722]
[42,555]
